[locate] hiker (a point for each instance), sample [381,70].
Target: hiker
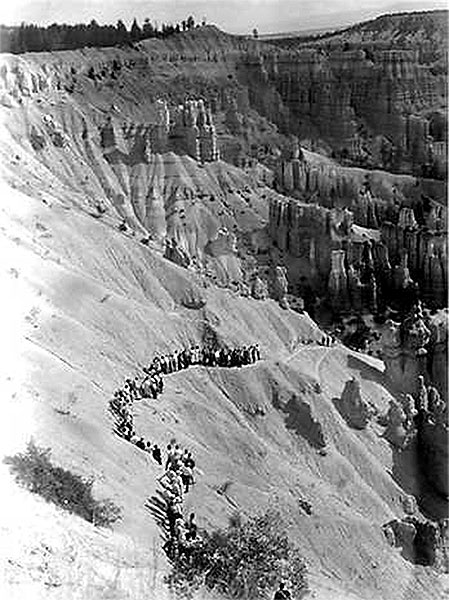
[129,433]
[141,443]
[194,355]
[153,389]
[192,528]
[282,593]
[176,460]
[171,518]
[157,454]
[172,483]
[186,476]
[189,462]
[169,457]
[146,389]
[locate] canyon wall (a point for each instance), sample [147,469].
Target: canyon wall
[356,267]
[369,237]
[374,109]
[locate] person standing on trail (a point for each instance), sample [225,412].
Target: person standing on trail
[192,528]
[189,462]
[186,476]
[169,457]
[154,389]
[164,365]
[282,593]
[177,456]
[157,454]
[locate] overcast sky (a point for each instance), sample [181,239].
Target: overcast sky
[234,16]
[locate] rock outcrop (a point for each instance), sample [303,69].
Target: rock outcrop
[365,95]
[193,131]
[321,250]
[280,286]
[351,262]
[396,431]
[420,540]
[416,347]
[259,289]
[186,129]
[352,407]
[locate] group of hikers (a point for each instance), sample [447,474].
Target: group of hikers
[182,533]
[179,469]
[121,407]
[206,356]
[151,384]
[325,340]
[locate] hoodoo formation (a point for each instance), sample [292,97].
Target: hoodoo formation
[224,269]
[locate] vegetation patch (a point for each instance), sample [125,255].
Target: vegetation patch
[34,470]
[248,559]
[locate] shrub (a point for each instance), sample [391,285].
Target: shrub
[34,470]
[247,560]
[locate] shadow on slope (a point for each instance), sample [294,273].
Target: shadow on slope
[299,419]
[410,473]
[420,542]
[157,506]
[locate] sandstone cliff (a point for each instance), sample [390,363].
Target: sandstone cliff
[370,90]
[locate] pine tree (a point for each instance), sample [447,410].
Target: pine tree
[122,32]
[147,29]
[136,32]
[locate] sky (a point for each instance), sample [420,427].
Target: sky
[233,16]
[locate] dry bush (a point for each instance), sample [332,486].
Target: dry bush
[34,470]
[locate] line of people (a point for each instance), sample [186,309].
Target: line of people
[325,340]
[179,467]
[151,384]
[206,356]
[121,407]
[182,534]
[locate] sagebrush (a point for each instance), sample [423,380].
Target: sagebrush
[34,470]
